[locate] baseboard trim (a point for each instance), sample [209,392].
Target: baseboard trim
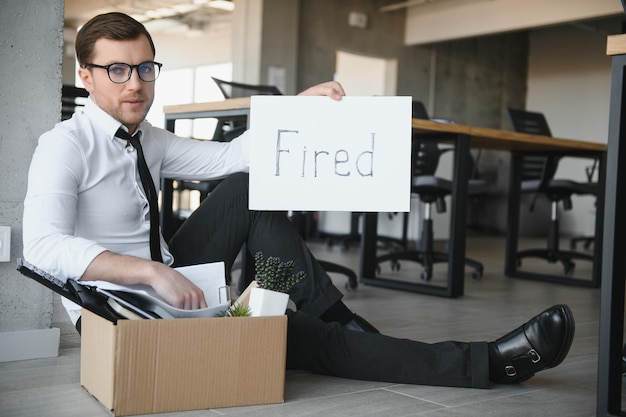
[29,344]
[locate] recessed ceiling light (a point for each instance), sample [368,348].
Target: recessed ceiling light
[222,4]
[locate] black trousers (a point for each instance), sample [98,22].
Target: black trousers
[222,224]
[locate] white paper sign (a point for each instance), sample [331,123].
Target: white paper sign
[318,154]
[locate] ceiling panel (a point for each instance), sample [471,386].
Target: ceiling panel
[157,15]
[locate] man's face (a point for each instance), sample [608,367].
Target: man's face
[128,102]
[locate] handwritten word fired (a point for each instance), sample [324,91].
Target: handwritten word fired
[290,152]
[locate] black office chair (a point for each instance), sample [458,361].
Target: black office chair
[72,99]
[231,89]
[418,110]
[229,129]
[538,178]
[425,156]
[586,241]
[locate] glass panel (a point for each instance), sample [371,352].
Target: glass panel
[172,87]
[206,90]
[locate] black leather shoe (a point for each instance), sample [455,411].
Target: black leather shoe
[359,324]
[541,343]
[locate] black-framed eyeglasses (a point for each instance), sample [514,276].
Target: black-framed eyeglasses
[120,72]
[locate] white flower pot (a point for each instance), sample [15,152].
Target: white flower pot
[267,303]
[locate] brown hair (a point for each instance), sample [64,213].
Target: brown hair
[114,26]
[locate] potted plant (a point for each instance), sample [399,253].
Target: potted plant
[237,310]
[274,278]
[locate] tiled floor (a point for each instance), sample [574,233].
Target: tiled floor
[489,308]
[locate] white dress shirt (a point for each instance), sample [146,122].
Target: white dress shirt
[84,192]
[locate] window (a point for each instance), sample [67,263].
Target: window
[189,85]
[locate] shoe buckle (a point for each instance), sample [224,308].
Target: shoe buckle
[510,370]
[534,356]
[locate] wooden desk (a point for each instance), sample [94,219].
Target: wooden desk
[614,243]
[519,144]
[463,137]
[232,107]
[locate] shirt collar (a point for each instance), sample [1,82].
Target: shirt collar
[104,121]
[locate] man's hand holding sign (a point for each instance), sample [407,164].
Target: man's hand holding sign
[316,154]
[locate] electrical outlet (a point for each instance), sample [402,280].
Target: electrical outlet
[5,243]
[357,20]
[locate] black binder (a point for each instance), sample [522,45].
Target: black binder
[85,297]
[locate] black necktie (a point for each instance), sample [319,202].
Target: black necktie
[148,187]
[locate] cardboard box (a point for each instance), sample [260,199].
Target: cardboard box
[152,366]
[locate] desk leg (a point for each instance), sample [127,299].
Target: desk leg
[614,248]
[458,215]
[368,248]
[513,213]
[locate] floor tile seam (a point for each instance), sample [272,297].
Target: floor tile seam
[246,409]
[509,395]
[288,402]
[218,413]
[404,394]
[41,389]
[343,394]
[463,409]
[461,404]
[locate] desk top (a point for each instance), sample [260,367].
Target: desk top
[616,45]
[242,103]
[508,140]
[481,137]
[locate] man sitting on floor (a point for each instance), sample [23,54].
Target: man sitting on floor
[87,217]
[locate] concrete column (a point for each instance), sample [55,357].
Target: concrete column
[31,45]
[265,43]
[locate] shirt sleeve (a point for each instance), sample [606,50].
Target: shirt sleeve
[50,209]
[192,159]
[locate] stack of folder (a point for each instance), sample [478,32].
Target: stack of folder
[112,302]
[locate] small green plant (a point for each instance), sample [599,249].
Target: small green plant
[272,274]
[236,310]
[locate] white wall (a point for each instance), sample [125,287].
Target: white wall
[430,21]
[362,75]
[569,81]
[180,51]
[569,78]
